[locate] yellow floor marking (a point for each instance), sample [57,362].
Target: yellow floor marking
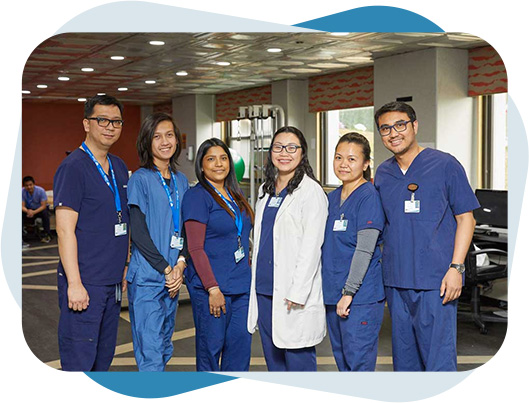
[39,273]
[39,287]
[40,263]
[31,248]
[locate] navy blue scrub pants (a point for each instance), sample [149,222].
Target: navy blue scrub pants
[152,318]
[225,339]
[281,359]
[87,339]
[354,339]
[424,331]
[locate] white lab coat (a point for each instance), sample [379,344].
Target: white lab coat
[299,230]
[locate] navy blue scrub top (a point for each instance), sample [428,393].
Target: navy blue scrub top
[362,210]
[146,191]
[418,247]
[264,276]
[220,243]
[77,184]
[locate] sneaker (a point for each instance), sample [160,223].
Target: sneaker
[46,239]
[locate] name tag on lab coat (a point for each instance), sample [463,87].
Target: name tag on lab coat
[412,206]
[275,202]
[120,229]
[239,254]
[177,242]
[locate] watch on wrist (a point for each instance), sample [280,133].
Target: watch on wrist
[459,267]
[348,293]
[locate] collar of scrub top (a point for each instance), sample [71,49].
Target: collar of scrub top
[175,206]
[117,199]
[236,212]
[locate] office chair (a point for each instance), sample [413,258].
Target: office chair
[479,277]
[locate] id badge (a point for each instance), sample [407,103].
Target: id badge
[412,206]
[177,242]
[120,229]
[340,225]
[239,254]
[275,202]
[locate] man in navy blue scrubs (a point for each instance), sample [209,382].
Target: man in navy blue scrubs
[428,204]
[90,199]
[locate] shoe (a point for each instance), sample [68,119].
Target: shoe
[46,239]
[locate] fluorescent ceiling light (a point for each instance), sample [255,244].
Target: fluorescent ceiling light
[157,43]
[223,63]
[64,78]
[81,99]
[117,57]
[87,69]
[26,92]
[123,89]
[42,86]
[274,50]
[150,82]
[182,73]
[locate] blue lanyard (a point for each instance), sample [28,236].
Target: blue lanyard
[237,214]
[175,207]
[114,189]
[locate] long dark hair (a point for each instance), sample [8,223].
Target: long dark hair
[230,183]
[302,169]
[357,138]
[145,136]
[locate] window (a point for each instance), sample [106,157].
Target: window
[337,123]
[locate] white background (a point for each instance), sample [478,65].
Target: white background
[25,24]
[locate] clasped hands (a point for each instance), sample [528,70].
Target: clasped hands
[174,278]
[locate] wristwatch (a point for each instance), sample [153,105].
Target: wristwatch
[348,293]
[459,267]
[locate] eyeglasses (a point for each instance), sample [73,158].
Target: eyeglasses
[104,122]
[290,148]
[399,127]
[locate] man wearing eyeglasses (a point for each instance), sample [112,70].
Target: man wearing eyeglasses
[428,204]
[90,199]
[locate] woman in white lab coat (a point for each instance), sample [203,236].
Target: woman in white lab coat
[286,301]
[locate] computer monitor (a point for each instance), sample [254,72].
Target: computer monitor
[493,210]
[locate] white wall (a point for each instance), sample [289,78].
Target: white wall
[437,80]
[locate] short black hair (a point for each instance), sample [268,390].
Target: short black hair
[145,136]
[100,100]
[28,179]
[396,106]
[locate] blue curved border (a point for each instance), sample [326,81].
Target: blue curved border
[373,19]
[363,19]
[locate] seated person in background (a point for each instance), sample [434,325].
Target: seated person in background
[35,205]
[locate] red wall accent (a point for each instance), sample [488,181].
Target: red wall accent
[51,129]
[227,104]
[486,72]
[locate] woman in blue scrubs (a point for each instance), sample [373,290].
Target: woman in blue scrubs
[155,273]
[286,297]
[218,221]
[353,289]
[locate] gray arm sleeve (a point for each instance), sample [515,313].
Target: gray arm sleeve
[366,242]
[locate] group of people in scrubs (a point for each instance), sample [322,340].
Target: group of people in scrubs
[316,264]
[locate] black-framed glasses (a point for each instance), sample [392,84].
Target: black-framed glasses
[104,122]
[290,148]
[399,127]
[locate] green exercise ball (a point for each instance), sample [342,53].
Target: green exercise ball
[238,163]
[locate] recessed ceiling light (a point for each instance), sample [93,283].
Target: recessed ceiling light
[123,89]
[117,57]
[150,82]
[274,50]
[42,86]
[64,78]
[81,99]
[26,92]
[157,43]
[223,63]
[101,93]
[182,73]
[339,33]
[87,69]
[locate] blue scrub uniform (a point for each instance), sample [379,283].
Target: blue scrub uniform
[226,336]
[152,310]
[354,339]
[418,249]
[87,339]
